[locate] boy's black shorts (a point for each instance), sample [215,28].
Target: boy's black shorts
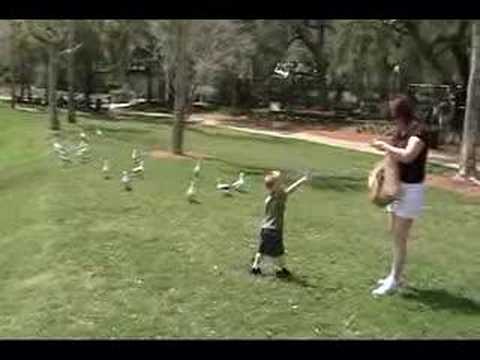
[271,243]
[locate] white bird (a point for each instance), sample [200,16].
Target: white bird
[82,148]
[82,151]
[239,183]
[99,132]
[83,136]
[196,170]
[65,158]
[191,192]
[140,169]
[134,154]
[396,69]
[58,147]
[106,169]
[224,188]
[126,181]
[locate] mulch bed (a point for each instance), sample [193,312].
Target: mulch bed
[158,153]
[450,182]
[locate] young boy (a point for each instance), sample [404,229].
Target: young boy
[271,234]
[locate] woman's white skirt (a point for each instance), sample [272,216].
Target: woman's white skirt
[409,203]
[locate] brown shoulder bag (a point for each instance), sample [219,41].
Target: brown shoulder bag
[384,182]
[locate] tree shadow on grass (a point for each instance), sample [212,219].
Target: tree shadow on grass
[246,168]
[439,299]
[319,182]
[338,183]
[240,136]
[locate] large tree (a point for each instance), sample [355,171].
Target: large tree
[219,48]
[120,38]
[89,55]
[365,51]
[13,62]
[222,47]
[442,45]
[472,115]
[313,33]
[71,72]
[181,84]
[52,34]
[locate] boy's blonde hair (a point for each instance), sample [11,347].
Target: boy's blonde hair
[272,178]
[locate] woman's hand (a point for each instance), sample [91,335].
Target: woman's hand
[380,145]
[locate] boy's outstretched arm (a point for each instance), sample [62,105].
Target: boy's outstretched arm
[296,185]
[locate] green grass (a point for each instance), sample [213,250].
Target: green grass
[81,257]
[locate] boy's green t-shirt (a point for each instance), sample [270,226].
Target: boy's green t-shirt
[274,210]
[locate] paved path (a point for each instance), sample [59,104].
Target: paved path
[160,115]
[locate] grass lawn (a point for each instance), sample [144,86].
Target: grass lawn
[81,257]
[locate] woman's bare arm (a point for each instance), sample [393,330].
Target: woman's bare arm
[414,147]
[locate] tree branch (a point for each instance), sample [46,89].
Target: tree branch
[74,49]
[292,40]
[36,35]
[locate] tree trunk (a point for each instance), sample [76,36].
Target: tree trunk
[149,83]
[88,89]
[161,87]
[426,51]
[234,92]
[45,81]
[52,86]
[461,57]
[472,113]
[13,64]
[321,64]
[71,74]
[316,46]
[166,91]
[22,91]
[180,86]
[88,94]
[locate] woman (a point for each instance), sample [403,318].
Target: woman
[409,147]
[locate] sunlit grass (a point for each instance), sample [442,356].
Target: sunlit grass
[82,257]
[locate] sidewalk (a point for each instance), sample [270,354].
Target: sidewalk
[159,115]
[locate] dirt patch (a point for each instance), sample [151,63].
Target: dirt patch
[163,154]
[451,183]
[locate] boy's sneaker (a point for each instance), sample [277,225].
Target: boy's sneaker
[255,271]
[283,273]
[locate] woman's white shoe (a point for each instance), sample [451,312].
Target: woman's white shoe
[387,287]
[400,283]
